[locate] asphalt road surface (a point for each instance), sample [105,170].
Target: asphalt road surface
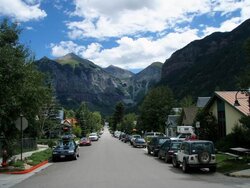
[109,163]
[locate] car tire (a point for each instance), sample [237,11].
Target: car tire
[155,153]
[185,167]
[175,163]
[204,157]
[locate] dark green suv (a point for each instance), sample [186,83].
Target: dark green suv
[155,143]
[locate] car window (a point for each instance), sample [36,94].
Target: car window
[162,140]
[186,148]
[175,145]
[199,147]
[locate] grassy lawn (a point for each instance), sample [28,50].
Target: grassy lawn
[33,160]
[227,164]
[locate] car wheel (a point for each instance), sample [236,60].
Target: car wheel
[185,167]
[175,163]
[155,154]
[204,157]
[212,169]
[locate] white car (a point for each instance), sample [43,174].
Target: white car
[93,136]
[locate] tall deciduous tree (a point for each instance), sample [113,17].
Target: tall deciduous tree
[154,109]
[118,115]
[23,88]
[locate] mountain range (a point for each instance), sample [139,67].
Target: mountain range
[76,80]
[198,69]
[212,63]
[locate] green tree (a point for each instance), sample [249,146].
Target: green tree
[154,109]
[128,123]
[208,126]
[23,88]
[244,79]
[118,115]
[82,116]
[187,101]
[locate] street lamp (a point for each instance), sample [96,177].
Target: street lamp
[247,94]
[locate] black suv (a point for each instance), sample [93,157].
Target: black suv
[66,149]
[155,144]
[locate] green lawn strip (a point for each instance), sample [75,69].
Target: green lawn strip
[227,164]
[34,159]
[39,157]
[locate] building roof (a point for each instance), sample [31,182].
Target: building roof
[202,101]
[188,115]
[230,97]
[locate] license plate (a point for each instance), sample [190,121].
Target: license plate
[62,156]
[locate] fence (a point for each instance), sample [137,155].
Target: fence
[29,144]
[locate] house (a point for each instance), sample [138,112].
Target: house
[188,115]
[69,122]
[222,106]
[171,125]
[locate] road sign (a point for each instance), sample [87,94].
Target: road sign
[21,123]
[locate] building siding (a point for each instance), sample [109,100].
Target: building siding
[232,118]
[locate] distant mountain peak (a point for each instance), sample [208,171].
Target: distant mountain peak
[118,72]
[69,56]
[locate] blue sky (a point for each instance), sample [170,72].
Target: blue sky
[130,34]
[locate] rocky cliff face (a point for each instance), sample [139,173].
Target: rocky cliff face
[207,64]
[77,80]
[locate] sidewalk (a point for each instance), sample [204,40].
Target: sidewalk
[242,173]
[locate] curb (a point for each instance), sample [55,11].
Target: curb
[27,170]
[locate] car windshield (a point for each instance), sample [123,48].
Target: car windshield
[83,139]
[136,136]
[199,147]
[65,143]
[93,134]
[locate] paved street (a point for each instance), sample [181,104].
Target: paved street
[109,163]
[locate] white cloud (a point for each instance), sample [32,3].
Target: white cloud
[130,53]
[65,47]
[226,26]
[119,18]
[22,11]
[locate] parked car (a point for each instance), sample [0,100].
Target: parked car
[182,136]
[149,135]
[168,149]
[66,149]
[85,141]
[139,142]
[93,137]
[195,154]
[127,138]
[133,137]
[155,144]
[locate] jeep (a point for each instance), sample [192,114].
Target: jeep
[195,154]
